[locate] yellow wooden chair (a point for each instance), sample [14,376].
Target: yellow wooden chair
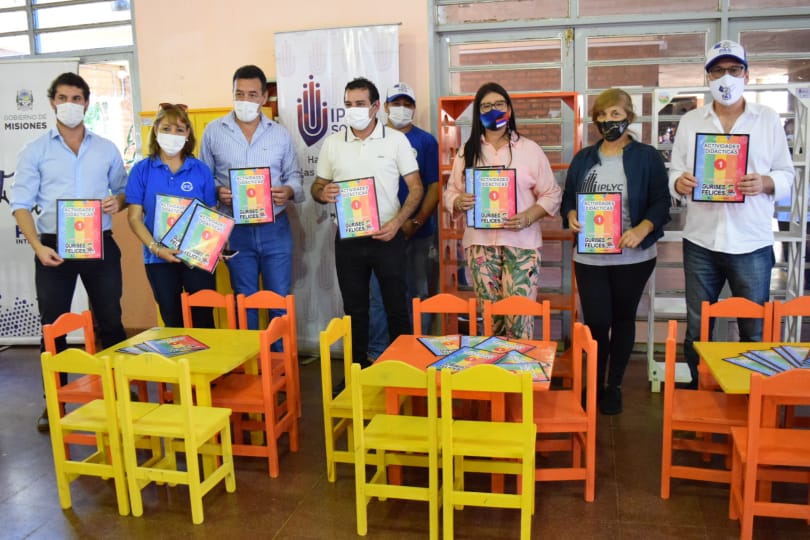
[395,439]
[337,410]
[488,447]
[98,417]
[182,427]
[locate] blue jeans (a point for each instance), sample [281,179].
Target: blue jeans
[418,268]
[706,271]
[264,249]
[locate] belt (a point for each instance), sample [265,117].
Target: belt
[51,238]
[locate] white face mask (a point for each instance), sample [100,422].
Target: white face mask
[400,116]
[246,111]
[358,118]
[727,89]
[70,114]
[171,144]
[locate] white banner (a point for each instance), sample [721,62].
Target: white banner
[312,68]
[26,114]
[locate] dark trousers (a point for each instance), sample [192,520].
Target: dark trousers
[610,297]
[169,281]
[355,259]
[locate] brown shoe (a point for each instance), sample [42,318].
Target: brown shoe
[42,422]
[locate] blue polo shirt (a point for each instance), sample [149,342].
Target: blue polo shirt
[427,156]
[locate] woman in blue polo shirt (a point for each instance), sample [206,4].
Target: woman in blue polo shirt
[170,169]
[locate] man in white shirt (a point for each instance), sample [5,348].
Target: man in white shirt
[730,241]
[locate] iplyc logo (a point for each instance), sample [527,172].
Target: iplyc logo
[312,113]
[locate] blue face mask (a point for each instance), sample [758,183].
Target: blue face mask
[495,119]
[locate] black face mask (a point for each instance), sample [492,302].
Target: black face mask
[612,130]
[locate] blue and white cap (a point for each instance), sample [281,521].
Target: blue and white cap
[725,49]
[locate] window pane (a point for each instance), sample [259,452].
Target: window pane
[502,10]
[79,14]
[518,80]
[14,45]
[647,46]
[651,75]
[775,41]
[91,38]
[13,21]
[758,4]
[778,71]
[11,3]
[638,7]
[499,53]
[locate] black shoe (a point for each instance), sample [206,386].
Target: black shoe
[686,385]
[42,422]
[338,389]
[611,402]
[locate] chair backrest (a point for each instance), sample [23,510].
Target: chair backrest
[669,368]
[279,329]
[394,374]
[444,303]
[486,378]
[737,308]
[584,365]
[67,323]
[269,300]
[339,328]
[797,307]
[518,305]
[208,298]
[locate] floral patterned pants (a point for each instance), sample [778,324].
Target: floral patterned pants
[501,271]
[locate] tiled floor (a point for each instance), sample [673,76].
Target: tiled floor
[302,504]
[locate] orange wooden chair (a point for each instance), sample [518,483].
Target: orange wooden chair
[563,363]
[561,412]
[518,305]
[271,300]
[273,394]
[698,411]
[730,308]
[446,304]
[797,307]
[208,298]
[764,451]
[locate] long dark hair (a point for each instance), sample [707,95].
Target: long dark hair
[472,148]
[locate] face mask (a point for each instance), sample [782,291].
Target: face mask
[727,89]
[358,118]
[170,144]
[70,114]
[400,116]
[495,119]
[612,130]
[246,111]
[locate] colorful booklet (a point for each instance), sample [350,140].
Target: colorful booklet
[502,346]
[770,358]
[495,197]
[796,355]
[134,349]
[753,365]
[168,209]
[357,212]
[465,358]
[472,341]
[537,370]
[721,160]
[173,346]
[175,233]
[600,215]
[205,237]
[252,198]
[441,345]
[79,229]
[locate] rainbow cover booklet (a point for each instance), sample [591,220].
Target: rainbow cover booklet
[168,208]
[175,233]
[78,229]
[720,162]
[357,212]
[205,237]
[600,215]
[252,198]
[495,197]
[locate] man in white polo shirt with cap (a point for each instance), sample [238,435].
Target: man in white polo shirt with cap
[724,241]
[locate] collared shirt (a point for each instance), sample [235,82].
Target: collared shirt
[535,185]
[225,147]
[385,154]
[150,177]
[48,170]
[734,227]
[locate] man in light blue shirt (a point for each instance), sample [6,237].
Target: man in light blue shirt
[246,138]
[71,162]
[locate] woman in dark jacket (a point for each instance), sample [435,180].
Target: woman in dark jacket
[611,285]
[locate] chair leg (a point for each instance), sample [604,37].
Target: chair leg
[666,464]
[448,486]
[360,499]
[329,442]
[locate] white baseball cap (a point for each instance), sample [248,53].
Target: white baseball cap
[398,90]
[725,49]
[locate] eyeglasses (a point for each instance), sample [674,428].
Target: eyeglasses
[735,71]
[499,105]
[166,106]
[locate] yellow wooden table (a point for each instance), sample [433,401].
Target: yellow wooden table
[732,379]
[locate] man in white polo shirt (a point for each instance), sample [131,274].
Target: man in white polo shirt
[368,148]
[729,241]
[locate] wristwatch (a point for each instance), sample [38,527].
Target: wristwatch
[416,222]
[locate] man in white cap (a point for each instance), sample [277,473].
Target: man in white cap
[420,228]
[725,241]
